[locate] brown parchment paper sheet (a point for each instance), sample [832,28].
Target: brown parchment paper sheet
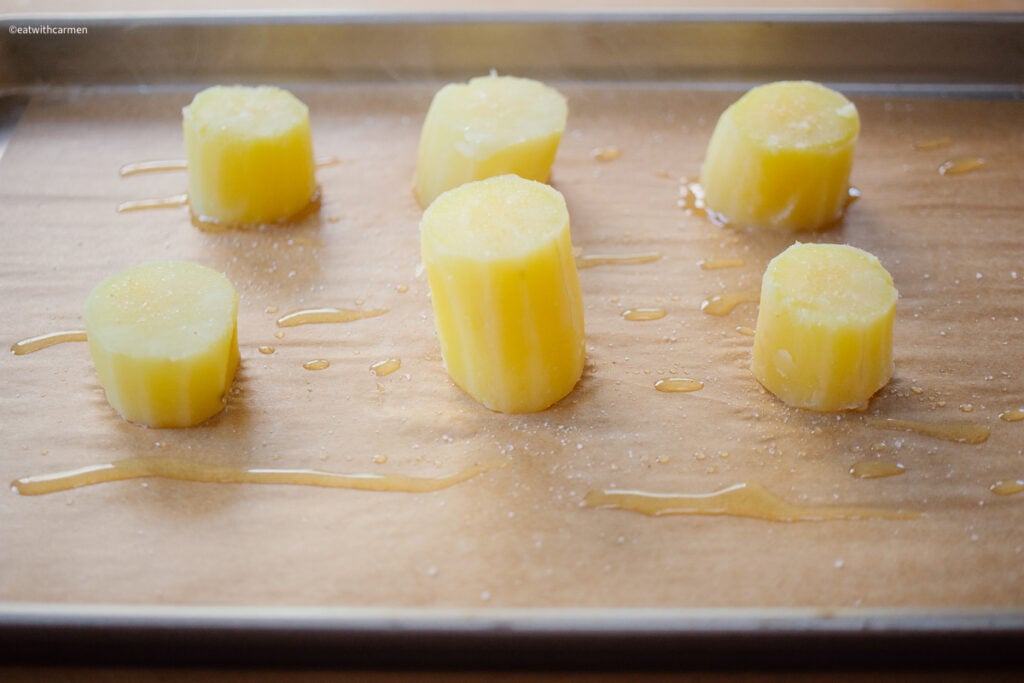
[517,536]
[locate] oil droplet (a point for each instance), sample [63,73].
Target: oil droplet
[875,469]
[380,459]
[746,331]
[385,367]
[402,289]
[156,166]
[279,334]
[641,314]
[961,165]
[740,500]
[182,470]
[266,350]
[593,260]
[966,408]
[933,143]
[678,384]
[723,304]
[271,310]
[317,364]
[719,263]
[44,341]
[1007,487]
[159,203]
[608,153]
[1012,415]
[961,432]
[307,316]
[331,160]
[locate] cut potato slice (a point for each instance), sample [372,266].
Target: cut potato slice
[505,291]
[780,157]
[825,327]
[163,339]
[491,126]
[250,155]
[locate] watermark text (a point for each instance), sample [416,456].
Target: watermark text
[46,30]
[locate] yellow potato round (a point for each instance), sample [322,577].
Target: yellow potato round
[163,339]
[505,291]
[825,327]
[250,155]
[491,126]
[781,156]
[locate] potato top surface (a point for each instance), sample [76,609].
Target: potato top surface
[796,114]
[830,283]
[497,111]
[166,309]
[497,218]
[244,111]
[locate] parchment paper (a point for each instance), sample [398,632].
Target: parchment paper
[517,536]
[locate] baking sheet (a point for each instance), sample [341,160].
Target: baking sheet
[514,546]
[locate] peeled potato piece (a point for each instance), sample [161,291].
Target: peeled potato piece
[506,296]
[825,327]
[163,339]
[780,157]
[491,126]
[250,155]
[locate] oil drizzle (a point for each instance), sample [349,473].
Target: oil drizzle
[156,166]
[933,143]
[643,314]
[594,260]
[719,263]
[45,341]
[961,165]
[385,367]
[1012,415]
[307,316]
[960,432]
[740,500]
[183,470]
[171,202]
[608,153]
[876,469]
[163,165]
[723,304]
[678,384]
[1007,487]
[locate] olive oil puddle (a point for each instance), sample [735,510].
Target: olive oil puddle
[385,366]
[740,500]
[675,385]
[875,469]
[594,260]
[724,304]
[183,470]
[327,314]
[45,341]
[1007,487]
[164,165]
[959,432]
[644,314]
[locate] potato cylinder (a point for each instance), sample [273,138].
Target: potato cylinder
[250,155]
[163,339]
[825,327]
[491,126]
[781,156]
[505,292]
